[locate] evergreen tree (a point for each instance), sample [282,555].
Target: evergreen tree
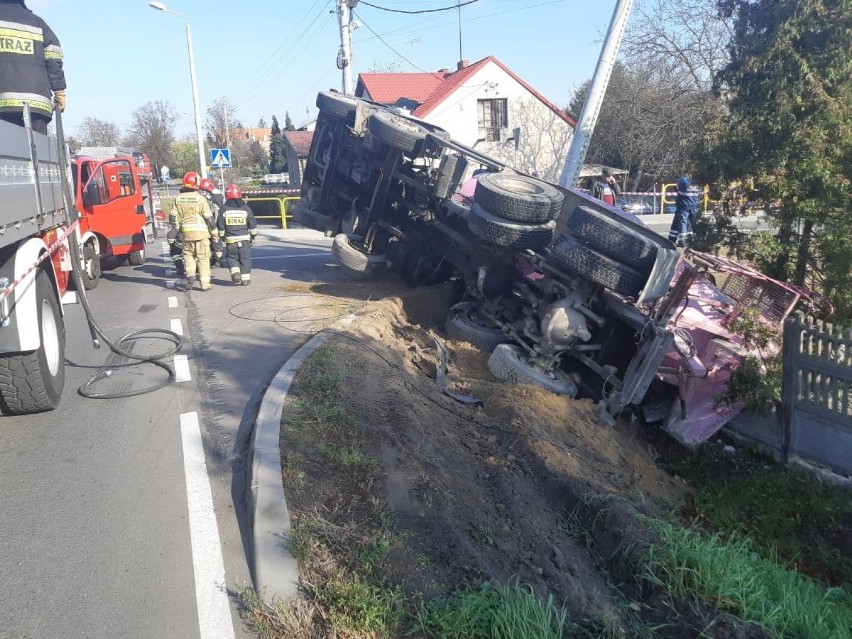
[788,129]
[277,149]
[288,123]
[276,130]
[261,123]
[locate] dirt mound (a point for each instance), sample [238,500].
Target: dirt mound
[480,493]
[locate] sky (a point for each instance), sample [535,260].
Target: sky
[273,56]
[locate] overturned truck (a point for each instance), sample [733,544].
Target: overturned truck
[565,292]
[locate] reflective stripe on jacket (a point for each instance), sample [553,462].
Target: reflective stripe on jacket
[236,222]
[30,61]
[191,216]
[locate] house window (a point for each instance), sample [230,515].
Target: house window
[493,116]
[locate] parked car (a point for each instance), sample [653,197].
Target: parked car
[565,292]
[638,205]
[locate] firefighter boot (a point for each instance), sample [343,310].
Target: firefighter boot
[235,276]
[190,282]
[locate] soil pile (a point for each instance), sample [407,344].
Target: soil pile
[477,493]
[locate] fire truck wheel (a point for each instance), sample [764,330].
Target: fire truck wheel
[335,104]
[501,232]
[32,382]
[91,268]
[518,197]
[136,258]
[508,362]
[613,238]
[355,259]
[466,324]
[571,254]
[397,132]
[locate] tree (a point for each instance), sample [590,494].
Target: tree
[288,123]
[185,156]
[152,130]
[788,128]
[96,132]
[261,123]
[386,66]
[276,130]
[221,120]
[277,149]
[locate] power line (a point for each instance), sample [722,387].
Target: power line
[382,40]
[450,8]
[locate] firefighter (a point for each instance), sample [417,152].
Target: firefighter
[686,212]
[192,218]
[207,188]
[175,240]
[30,67]
[238,228]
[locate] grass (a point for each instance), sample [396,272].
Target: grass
[490,612]
[790,515]
[731,575]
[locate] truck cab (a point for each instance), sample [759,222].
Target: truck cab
[113,190]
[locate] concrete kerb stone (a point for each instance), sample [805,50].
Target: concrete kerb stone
[276,571]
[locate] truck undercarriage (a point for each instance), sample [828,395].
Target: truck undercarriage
[566,292]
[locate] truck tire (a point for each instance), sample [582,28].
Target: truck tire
[571,254]
[612,238]
[354,259]
[336,105]
[32,382]
[499,231]
[136,258]
[465,324]
[396,131]
[91,268]
[508,363]
[518,197]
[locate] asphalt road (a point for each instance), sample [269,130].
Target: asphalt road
[124,518]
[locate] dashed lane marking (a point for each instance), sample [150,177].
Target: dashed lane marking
[173,301]
[182,373]
[170,283]
[177,327]
[211,591]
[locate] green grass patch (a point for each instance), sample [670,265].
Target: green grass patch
[789,515]
[354,605]
[492,611]
[731,575]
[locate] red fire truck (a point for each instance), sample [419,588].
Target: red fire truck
[114,193]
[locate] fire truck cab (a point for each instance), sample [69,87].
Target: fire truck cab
[114,194]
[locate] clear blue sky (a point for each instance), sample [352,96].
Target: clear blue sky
[272,56]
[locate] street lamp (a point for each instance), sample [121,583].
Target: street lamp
[202,160]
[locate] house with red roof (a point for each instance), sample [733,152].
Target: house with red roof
[297,145]
[486,106]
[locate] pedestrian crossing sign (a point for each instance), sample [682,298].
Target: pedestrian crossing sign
[220,158]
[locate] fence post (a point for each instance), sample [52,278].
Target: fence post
[789,381]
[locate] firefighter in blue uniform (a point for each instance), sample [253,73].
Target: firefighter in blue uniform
[238,229]
[30,67]
[686,212]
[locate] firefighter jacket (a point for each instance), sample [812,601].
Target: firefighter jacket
[237,223]
[30,61]
[192,217]
[688,200]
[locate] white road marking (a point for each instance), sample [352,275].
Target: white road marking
[177,327]
[172,301]
[170,283]
[182,373]
[169,272]
[211,593]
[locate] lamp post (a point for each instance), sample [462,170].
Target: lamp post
[202,161]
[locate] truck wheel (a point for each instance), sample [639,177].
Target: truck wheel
[572,255]
[136,258]
[509,363]
[518,197]
[501,232]
[354,259]
[396,131]
[32,382]
[466,324]
[91,268]
[613,238]
[336,105]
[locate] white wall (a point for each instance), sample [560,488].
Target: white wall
[545,136]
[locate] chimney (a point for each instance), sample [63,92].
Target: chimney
[462,64]
[443,70]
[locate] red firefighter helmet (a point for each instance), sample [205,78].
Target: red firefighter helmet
[207,185]
[190,180]
[232,192]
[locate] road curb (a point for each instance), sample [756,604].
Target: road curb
[276,571]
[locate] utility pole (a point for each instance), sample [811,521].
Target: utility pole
[344,55]
[597,89]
